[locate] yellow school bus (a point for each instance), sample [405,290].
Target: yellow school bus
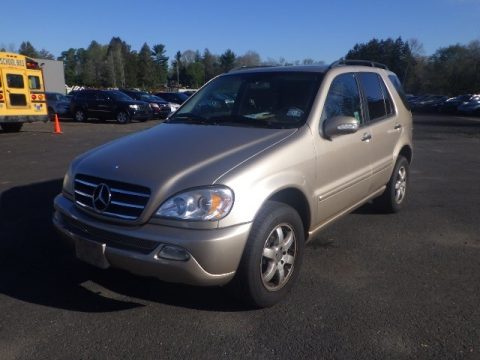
[22,92]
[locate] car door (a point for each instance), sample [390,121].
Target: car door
[103,105]
[383,125]
[16,91]
[344,161]
[86,101]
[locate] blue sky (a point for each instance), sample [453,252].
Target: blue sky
[294,30]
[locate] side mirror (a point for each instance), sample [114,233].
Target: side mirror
[340,125]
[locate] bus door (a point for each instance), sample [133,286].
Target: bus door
[15,89]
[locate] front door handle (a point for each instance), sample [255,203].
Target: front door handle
[397,127]
[366,137]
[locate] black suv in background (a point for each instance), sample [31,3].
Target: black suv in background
[174,97]
[108,104]
[159,107]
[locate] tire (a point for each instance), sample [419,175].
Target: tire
[80,115]
[11,127]
[394,197]
[272,257]
[122,117]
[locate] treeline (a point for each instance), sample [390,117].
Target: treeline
[450,70]
[118,65]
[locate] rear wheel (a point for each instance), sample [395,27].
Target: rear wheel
[11,127]
[272,256]
[80,115]
[122,117]
[393,199]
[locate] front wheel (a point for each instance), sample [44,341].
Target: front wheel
[122,117]
[272,257]
[393,199]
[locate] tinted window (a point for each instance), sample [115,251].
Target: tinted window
[343,98]
[398,86]
[15,81]
[388,100]
[34,82]
[101,97]
[374,95]
[119,96]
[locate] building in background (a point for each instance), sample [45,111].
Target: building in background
[53,75]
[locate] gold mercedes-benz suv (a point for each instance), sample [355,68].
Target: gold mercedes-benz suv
[233,185]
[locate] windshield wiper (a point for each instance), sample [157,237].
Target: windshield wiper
[191,118]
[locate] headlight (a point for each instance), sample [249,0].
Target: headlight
[67,187]
[212,203]
[135,107]
[173,106]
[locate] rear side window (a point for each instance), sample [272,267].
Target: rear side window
[343,98]
[374,95]
[388,100]
[85,95]
[398,86]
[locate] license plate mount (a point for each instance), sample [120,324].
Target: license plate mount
[91,252]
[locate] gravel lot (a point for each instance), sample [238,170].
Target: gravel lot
[404,286]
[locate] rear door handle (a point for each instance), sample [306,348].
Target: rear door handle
[397,127]
[366,137]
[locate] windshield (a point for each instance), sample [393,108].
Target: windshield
[119,96]
[267,99]
[150,98]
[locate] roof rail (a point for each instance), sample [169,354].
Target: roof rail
[343,62]
[250,67]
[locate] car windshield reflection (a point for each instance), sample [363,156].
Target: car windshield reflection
[276,100]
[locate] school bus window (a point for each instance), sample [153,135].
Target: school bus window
[15,81]
[34,82]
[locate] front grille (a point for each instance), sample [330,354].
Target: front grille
[126,201]
[118,241]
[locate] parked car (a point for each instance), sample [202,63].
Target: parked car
[427,103]
[450,106]
[57,104]
[173,97]
[159,107]
[220,194]
[470,107]
[189,92]
[108,104]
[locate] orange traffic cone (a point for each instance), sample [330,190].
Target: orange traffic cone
[56,128]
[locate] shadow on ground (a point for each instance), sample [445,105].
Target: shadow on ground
[37,267]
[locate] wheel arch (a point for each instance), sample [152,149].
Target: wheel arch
[406,152]
[297,200]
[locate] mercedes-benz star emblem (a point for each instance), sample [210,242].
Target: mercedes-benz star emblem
[101,197]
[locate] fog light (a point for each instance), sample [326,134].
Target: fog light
[173,253]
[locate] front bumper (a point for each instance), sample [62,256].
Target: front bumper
[214,254]
[140,115]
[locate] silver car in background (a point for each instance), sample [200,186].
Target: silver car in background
[250,168]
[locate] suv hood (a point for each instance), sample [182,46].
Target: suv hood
[173,157]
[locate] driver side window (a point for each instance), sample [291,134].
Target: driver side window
[343,99]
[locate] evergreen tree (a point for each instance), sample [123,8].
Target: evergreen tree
[27,49]
[161,63]
[395,54]
[227,60]
[146,68]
